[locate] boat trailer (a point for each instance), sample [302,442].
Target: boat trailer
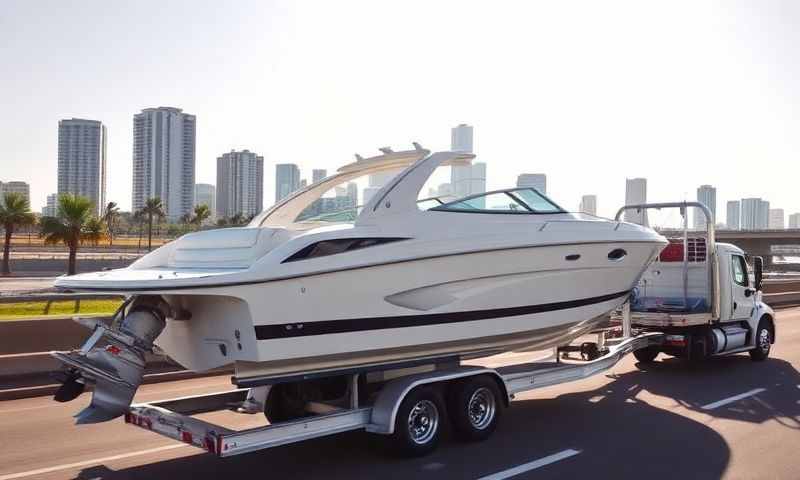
[175,418]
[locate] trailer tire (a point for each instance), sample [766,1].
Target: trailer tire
[419,422]
[763,341]
[646,354]
[475,407]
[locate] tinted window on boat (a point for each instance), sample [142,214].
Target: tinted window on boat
[516,200]
[339,245]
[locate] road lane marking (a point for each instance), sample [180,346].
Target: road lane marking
[527,467]
[725,401]
[87,463]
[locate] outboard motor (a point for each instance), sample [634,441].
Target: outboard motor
[115,369]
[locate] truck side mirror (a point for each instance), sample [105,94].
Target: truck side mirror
[758,269]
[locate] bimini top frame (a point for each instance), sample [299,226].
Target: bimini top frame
[399,194]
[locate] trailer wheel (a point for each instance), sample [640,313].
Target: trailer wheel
[418,425]
[475,408]
[763,342]
[646,354]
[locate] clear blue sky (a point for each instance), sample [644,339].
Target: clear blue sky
[683,93]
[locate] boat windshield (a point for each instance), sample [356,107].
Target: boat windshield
[515,200]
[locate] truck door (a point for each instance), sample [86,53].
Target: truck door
[741,291]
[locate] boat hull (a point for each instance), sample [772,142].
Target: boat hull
[467,305]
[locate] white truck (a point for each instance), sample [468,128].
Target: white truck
[704,296]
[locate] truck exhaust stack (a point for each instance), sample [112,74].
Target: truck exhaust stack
[115,369]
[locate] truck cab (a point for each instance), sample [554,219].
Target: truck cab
[704,296]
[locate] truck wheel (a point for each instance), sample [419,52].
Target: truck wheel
[418,425]
[646,354]
[475,407]
[763,342]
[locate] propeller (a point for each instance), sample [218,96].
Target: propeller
[70,386]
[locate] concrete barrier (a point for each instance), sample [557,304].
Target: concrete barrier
[43,335]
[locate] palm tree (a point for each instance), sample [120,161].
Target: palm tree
[153,208]
[69,225]
[237,220]
[93,231]
[14,212]
[200,215]
[110,217]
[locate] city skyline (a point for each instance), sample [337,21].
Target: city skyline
[461,140]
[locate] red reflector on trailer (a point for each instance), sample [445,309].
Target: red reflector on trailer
[186,437]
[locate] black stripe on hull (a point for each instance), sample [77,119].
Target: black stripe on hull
[350,325]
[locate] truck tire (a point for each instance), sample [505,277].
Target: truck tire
[646,354]
[419,422]
[763,342]
[475,407]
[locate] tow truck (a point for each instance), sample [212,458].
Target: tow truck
[704,296]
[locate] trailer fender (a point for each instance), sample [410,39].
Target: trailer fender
[384,411]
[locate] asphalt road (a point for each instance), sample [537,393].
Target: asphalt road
[731,418]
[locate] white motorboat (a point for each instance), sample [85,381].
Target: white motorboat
[299,291]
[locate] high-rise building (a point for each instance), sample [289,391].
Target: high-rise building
[352,193]
[588,204]
[240,184]
[376,181]
[287,180]
[794,220]
[15,187]
[461,138]
[636,194]
[776,219]
[707,195]
[82,166]
[535,180]
[318,174]
[478,182]
[164,159]
[50,209]
[465,179]
[206,194]
[732,215]
[755,214]
[370,192]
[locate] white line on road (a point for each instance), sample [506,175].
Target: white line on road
[86,463]
[725,401]
[527,467]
